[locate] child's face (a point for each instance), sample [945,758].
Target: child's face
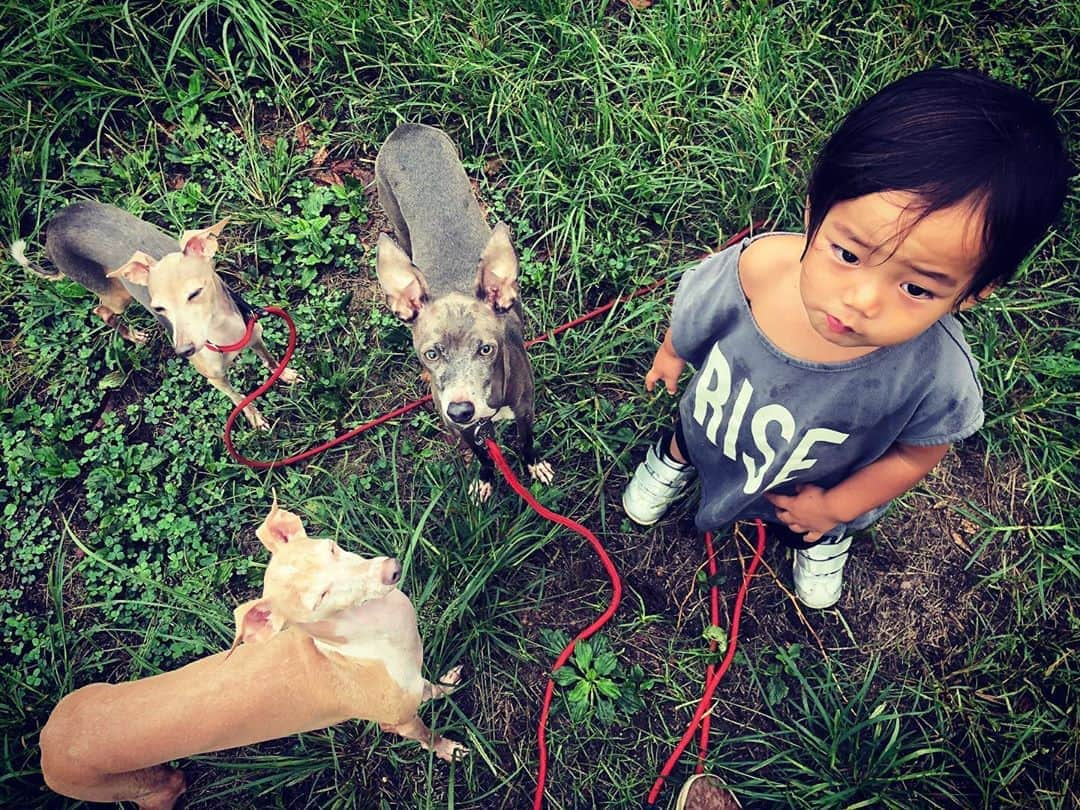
[871,278]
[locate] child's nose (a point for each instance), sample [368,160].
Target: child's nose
[864,296]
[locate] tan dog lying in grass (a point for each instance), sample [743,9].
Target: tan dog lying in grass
[331,639]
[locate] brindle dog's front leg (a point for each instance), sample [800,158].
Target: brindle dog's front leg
[474,438]
[539,469]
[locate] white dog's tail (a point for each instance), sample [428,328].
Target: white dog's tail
[18,253]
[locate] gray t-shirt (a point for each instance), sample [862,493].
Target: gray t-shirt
[756,419]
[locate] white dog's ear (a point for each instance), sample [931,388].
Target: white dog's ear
[256,621]
[202,243]
[279,527]
[136,269]
[497,274]
[405,287]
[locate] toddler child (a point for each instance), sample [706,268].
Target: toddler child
[830,374]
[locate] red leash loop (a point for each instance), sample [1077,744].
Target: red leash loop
[713,678]
[564,656]
[258,392]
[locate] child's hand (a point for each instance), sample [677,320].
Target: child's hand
[806,511]
[666,367]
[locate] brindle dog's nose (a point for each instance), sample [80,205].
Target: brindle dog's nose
[460,412]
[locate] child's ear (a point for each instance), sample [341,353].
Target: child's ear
[806,214]
[977,298]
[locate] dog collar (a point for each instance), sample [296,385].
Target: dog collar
[250,315]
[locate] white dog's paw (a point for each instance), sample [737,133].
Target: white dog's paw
[450,750]
[542,471]
[480,491]
[289,375]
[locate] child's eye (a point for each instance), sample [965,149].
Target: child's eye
[915,291]
[844,255]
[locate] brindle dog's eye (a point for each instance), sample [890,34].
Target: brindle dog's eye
[486,349]
[431,354]
[195,294]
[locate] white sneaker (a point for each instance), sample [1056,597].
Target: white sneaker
[818,572]
[657,483]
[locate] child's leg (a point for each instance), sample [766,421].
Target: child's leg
[659,480]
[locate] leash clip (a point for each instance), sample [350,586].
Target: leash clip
[482,431]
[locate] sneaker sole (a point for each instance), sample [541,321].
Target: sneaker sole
[810,603]
[635,518]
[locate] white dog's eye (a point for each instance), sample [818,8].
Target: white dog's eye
[486,349]
[195,294]
[319,601]
[431,354]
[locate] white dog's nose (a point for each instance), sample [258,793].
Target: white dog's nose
[391,572]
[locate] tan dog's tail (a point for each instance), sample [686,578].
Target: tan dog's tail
[18,253]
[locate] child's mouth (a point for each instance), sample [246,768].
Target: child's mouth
[837,326]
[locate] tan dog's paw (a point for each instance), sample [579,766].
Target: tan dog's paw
[450,679]
[480,491]
[450,750]
[290,376]
[542,471]
[173,785]
[136,336]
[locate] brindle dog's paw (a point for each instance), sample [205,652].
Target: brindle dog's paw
[542,471]
[480,491]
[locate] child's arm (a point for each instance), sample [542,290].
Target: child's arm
[815,510]
[666,366]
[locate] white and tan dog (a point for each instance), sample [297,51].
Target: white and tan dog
[331,639]
[121,257]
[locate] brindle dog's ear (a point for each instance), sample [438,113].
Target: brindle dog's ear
[405,287]
[497,275]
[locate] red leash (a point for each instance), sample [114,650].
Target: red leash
[713,674]
[564,656]
[712,679]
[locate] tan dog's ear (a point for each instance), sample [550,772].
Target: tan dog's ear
[256,621]
[279,527]
[136,269]
[202,243]
[497,275]
[404,285]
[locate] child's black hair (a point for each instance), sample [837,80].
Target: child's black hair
[950,136]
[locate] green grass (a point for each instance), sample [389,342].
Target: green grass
[619,144]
